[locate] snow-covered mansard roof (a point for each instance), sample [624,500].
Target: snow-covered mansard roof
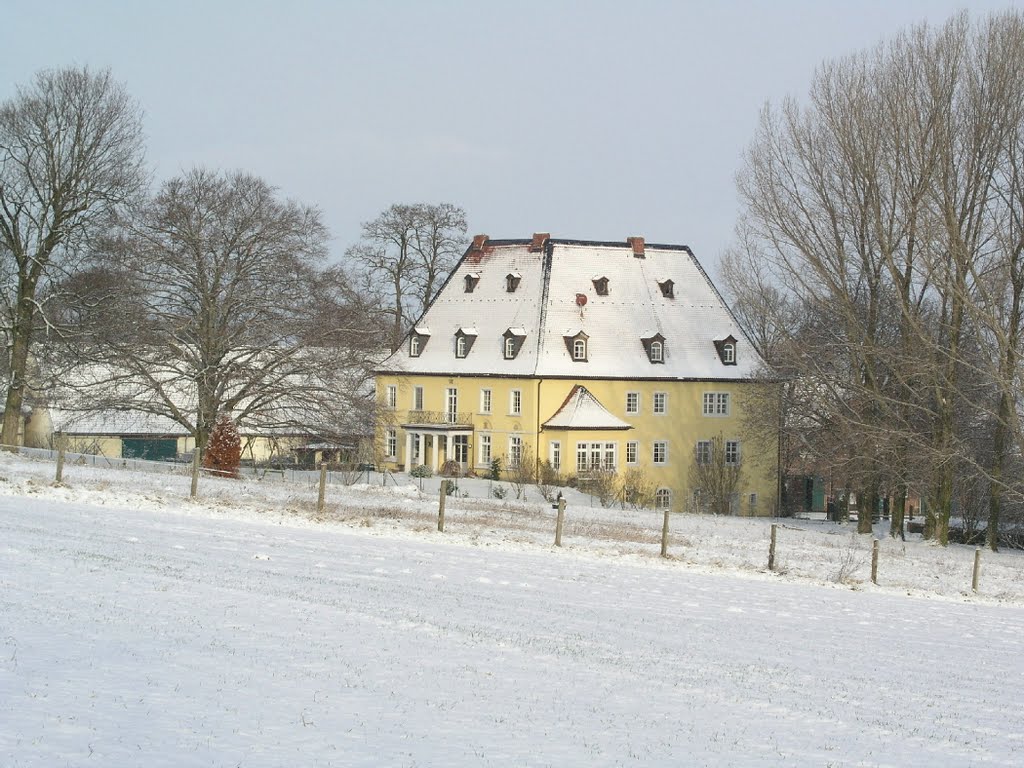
[544,288]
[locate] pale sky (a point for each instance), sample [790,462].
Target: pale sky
[589,120]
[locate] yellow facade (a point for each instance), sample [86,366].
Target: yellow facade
[419,408]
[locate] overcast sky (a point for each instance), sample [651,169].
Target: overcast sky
[592,120]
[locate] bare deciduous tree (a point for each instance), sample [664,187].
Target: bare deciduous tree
[715,474]
[232,313]
[404,255]
[70,156]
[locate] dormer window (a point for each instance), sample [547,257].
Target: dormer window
[464,338]
[654,346]
[577,346]
[667,288]
[418,341]
[512,342]
[471,280]
[601,286]
[726,349]
[512,281]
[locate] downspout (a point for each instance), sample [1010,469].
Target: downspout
[549,248]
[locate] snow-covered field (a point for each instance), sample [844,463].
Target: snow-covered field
[139,628]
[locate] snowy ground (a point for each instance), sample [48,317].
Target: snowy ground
[138,628]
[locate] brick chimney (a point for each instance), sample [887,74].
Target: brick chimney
[478,243]
[637,244]
[537,244]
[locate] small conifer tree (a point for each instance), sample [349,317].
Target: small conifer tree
[224,453]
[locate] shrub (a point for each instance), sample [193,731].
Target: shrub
[499,491]
[224,452]
[421,470]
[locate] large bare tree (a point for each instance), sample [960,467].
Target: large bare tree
[885,204]
[226,308]
[404,256]
[70,157]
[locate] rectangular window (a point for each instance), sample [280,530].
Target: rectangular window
[452,405]
[417,398]
[581,456]
[485,401]
[660,452]
[391,396]
[660,402]
[485,449]
[608,461]
[515,450]
[732,451]
[460,445]
[752,501]
[716,404]
[555,454]
[391,444]
[704,451]
[631,452]
[515,402]
[632,402]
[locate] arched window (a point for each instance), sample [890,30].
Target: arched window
[460,346]
[663,498]
[510,347]
[414,346]
[657,352]
[729,354]
[579,349]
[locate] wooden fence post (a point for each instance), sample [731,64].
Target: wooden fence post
[977,569]
[771,550]
[61,446]
[664,535]
[323,488]
[440,506]
[195,473]
[559,522]
[874,561]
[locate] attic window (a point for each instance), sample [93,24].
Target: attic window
[577,346]
[666,288]
[654,346]
[601,286]
[727,350]
[471,280]
[418,341]
[513,340]
[512,281]
[464,338]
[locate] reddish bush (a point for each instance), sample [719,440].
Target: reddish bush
[224,452]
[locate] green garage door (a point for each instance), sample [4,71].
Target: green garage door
[154,449]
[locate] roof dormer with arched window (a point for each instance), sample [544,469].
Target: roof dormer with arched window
[577,344]
[464,339]
[512,342]
[654,346]
[726,349]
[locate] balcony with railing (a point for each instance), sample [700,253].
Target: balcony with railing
[438,419]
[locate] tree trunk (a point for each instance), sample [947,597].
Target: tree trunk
[867,504]
[899,511]
[21,334]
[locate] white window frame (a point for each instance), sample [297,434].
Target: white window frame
[484,449]
[460,346]
[515,402]
[663,498]
[417,398]
[732,452]
[510,347]
[515,450]
[704,452]
[555,454]
[717,404]
[636,408]
[582,457]
[659,446]
[663,408]
[451,404]
[391,396]
[391,444]
[657,352]
[414,346]
[729,353]
[579,349]
[632,452]
[485,400]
